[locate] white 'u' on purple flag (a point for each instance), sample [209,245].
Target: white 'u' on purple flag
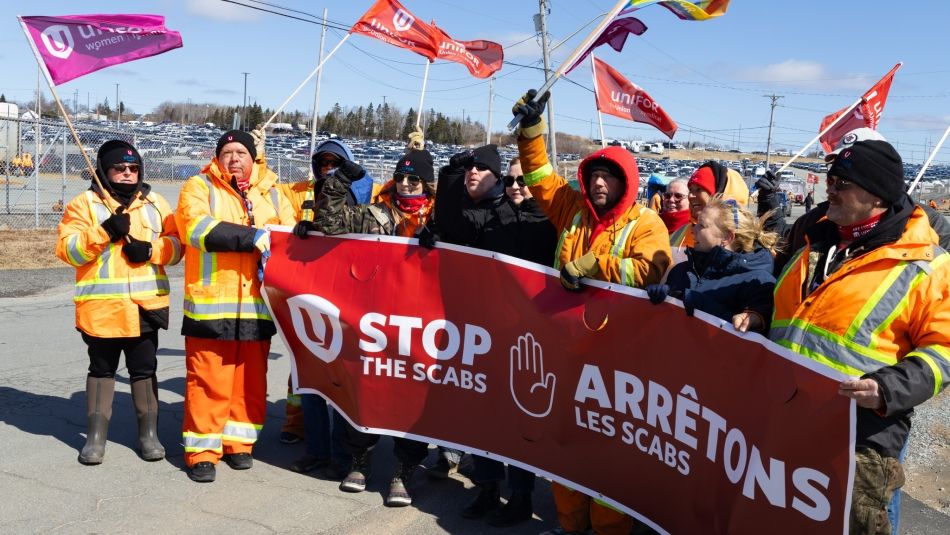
[74,45]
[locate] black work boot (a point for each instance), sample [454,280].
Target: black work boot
[488,500]
[518,509]
[99,393]
[145,400]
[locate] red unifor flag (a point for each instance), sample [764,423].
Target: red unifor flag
[392,23]
[622,98]
[482,58]
[867,114]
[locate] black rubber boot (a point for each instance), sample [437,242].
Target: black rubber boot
[99,393]
[145,399]
[518,509]
[488,500]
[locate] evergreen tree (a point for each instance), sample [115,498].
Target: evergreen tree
[409,124]
[369,122]
[3,98]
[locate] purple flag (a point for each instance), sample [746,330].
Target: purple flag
[74,45]
[615,35]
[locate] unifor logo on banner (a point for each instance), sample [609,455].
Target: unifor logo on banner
[58,41]
[403,20]
[317,323]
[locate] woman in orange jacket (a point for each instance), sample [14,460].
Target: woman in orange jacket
[119,240]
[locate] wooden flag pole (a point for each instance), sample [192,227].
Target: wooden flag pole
[422,95]
[62,111]
[929,159]
[585,44]
[307,79]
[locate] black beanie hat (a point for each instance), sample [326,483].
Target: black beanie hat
[236,136]
[488,155]
[417,162]
[603,164]
[874,166]
[117,151]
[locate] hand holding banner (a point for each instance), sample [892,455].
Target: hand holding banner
[741,432]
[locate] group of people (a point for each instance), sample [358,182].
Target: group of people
[859,284]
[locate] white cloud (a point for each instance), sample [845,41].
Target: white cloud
[221,11]
[529,49]
[919,121]
[805,74]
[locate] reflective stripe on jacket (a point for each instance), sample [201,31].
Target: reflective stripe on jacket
[109,290]
[631,243]
[222,293]
[876,310]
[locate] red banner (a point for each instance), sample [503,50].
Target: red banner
[390,22]
[617,96]
[481,58]
[867,114]
[677,420]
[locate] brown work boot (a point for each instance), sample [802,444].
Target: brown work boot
[99,394]
[145,400]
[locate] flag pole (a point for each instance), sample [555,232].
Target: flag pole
[581,48]
[307,79]
[600,116]
[422,95]
[823,132]
[929,159]
[491,100]
[52,87]
[316,96]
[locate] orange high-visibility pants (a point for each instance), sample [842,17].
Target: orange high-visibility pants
[225,397]
[293,422]
[577,511]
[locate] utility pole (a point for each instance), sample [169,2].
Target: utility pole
[244,107]
[768,144]
[117,112]
[739,142]
[384,100]
[542,26]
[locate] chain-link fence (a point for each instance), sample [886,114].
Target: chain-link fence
[42,168]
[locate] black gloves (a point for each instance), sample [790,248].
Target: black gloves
[462,159]
[531,111]
[350,171]
[117,225]
[427,238]
[658,293]
[767,184]
[137,251]
[301,229]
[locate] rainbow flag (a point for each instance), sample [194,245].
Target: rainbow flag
[699,10]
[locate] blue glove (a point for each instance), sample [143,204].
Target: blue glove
[689,302]
[265,256]
[658,292]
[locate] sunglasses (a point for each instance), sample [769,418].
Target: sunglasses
[123,167]
[329,162]
[479,166]
[677,196]
[510,181]
[413,180]
[839,184]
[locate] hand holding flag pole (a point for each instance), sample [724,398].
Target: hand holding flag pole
[927,163]
[571,59]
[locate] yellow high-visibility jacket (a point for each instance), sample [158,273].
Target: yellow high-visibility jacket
[222,292]
[109,290]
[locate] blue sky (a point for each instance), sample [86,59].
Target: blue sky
[711,77]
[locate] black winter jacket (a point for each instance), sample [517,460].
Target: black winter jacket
[493,224]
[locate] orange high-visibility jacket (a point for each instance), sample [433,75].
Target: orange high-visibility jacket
[631,242]
[222,293]
[110,290]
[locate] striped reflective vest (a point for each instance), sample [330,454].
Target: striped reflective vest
[633,249]
[110,290]
[222,292]
[873,311]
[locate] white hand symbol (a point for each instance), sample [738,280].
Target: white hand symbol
[532,390]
